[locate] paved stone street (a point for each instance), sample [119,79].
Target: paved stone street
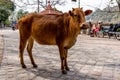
[1,47]
[90,59]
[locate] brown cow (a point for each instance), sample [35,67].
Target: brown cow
[61,30]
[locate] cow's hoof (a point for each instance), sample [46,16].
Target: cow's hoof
[24,66]
[67,69]
[64,72]
[35,66]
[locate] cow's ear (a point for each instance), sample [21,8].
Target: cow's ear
[87,12]
[73,9]
[81,8]
[70,12]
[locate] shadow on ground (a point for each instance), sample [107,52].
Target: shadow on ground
[57,75]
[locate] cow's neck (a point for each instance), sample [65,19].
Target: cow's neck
[73,27]
[75,23]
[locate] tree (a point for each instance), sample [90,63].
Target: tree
[6,7]
[3,15]
[21,13]
[40,3]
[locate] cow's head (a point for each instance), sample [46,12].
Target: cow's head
[79,15]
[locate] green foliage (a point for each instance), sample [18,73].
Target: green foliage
[7,4]
[6,7]
[3,15]
[21,13]
[7,22]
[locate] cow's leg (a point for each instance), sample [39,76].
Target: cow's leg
[29,49]
[21,50]
[62,57]
[66,65]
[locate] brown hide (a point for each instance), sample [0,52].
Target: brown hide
[61,30]
[50,29]
[85,26]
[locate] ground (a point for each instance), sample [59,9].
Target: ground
[90,59]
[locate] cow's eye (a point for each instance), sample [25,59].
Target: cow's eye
[75,15]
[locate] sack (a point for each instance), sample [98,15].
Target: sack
[118,29]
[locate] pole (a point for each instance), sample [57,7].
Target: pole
[46,2]
[38,6]
[78,3]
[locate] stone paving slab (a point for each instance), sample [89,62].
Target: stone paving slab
[1,48]
[90,59]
